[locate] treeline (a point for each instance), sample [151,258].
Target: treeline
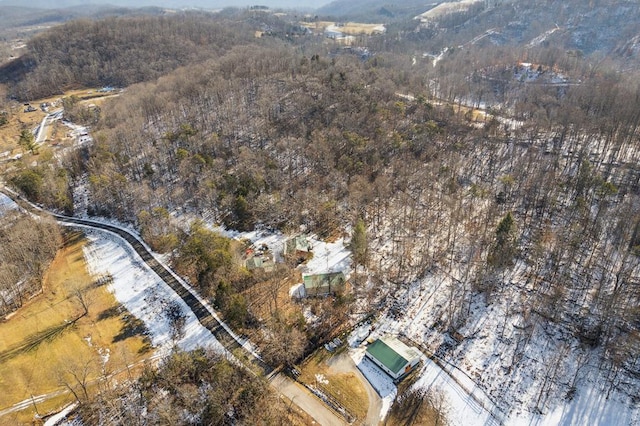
[27,247]
[120,51]
[200,387]
[44,184]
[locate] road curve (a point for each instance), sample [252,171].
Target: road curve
[206,316]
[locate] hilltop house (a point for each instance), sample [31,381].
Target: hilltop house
[393,357]
[323,284]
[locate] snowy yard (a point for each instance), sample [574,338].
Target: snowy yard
[328,257]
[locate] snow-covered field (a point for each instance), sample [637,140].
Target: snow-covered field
[446,8]
[143,293]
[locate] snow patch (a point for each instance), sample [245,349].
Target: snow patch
[321,379]
[143,293]
[57,418]
[6,205]
[380,381]
[297,291]
[328,257]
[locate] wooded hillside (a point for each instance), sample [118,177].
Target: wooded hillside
[120,51]
[27,247]
[530,204]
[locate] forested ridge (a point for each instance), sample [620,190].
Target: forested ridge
[529,207]
[120,51]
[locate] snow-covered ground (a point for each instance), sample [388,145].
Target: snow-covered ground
[143,293]
[6,205]
[379,380]
[328,257]
[57,419]
[486,385]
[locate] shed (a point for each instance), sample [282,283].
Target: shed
[260,262]
[323,284]
[392,356]
[297,245]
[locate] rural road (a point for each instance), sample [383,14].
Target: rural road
[206,316]
[42,128]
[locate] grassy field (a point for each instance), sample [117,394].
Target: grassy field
[50,340]
[355,28]
[344,387]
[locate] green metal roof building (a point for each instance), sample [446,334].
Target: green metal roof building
[392,356]
[323,284]
[258,262]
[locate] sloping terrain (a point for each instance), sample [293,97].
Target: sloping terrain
[504,240]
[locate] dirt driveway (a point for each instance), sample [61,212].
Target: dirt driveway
[343,363]
[306,401]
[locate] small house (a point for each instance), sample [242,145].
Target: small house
[323,284]
[393,357]
[298,248]
[259,258]
[260,262]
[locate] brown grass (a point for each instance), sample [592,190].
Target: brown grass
[18,119]
[344,387]
[355,28]
[49,338]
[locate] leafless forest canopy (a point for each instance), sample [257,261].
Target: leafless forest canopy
[536,200]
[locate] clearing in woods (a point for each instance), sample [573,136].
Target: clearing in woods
[51,339]
[20,118]
[350,28]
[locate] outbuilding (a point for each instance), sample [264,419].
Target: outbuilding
[393,357]
[323,284]
[297,246]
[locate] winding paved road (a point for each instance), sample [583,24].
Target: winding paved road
[206,316]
